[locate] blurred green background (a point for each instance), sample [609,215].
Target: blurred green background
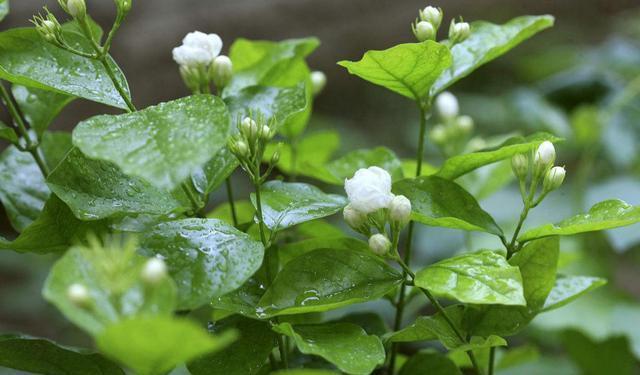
[579,80]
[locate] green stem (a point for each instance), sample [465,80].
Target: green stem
[105,62]
[195,203]
[32,147]
[293,142]
[492,359]
[282,348]
[232,204]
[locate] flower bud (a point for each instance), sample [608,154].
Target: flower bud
[438,134]
[447,105]
[154,271]
[123,5]
[379,244]
[465,124]
[318,82]
[354,218]
[240,148]
[545,156]
[424,30]
[275,158]
[476,143]
[78,294]
[432,15]
[458,32]
[48,27]
[554,178]
[77,8]
[221,71]
[400,209]
[266,133]
[520,165]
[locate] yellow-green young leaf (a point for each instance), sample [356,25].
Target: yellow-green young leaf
[206,257]
[42,356]
[39,107]
[327,279]
[163,144]
[462,164]
[308,155]
[345,345]
[443,203]
[95,189]
[80,266]
[609,214]
[429,362]
[568,288]
[408,69]
[246,356]
[27,59]
[4,9]
[487,42]
[287,204]
[155,345]
[483,278]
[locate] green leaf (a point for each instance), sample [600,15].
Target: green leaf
[443,203]
[39,107]
[483,277]
[287,204]
[243,301]
[293,250]
[568,288]
[4,9]
[327,279]
[436,327]
[244,211]
[27,59]
[345,345]
[487,42]
[338,170]
[41,356]
[409,168]
[95,190]
[79,265]
[408,69]
[163,144]
[429,362]
[209,177]
[371,322]
[476,342]
[611,355]
[155,345]
[7,133]
[609,214]
[462,164]
[246,356]
[305,371]
[206,257]
[308,155]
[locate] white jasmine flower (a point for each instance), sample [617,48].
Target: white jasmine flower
[554,178]
[211,43]
[78,294]
[545,155]
[379,244]
[447,105]
[154,271]
[369,190]
[353,217]
[400,209]
[191,57]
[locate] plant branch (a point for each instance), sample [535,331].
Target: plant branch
[232,204]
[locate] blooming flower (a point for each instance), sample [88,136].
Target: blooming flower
[198,49]
[369,190]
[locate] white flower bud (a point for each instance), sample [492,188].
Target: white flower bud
[520,165]
[221,71]
[458,32]
[211,44]
[432,15]
[476,143]
[154,271]
[318,82]
[545,156]
[438,134]
[400,209]
[554,178]
[77,8]
[379,244]
[354,218]
[191,57]
[249,128]
[424,30]
[275,158]
[447,105]
[78,294]
[465,124]
[240,148]
[266,133]
[369,190]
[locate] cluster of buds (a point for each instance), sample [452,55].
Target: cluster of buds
[75,8]
[250,143]
[48,27]
[428,22]
[201,63]
[452,133]
[542,168]
[372,206]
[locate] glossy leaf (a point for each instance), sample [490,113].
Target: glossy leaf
[327,279]
[427,328]
[78,265]
[287,204]
[429,362]
[7,133]
[345,345]
[206,257]
[163,144]
[371,322]
[155,345]
[336,171]
[293,250]
[243,301]
[408,69]
[208,178]
[443,203]
[244,211]
[462,164]
[27,59]
[95,190]
[568,288]
[484,277]
[609,214]
[39,107]
[245,356]
[486,42]
[41,356]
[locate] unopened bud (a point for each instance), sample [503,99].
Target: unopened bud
[447,105]
[476,143]
[432,15]
[266,133]
[275,158]
[241,148]
[438,134]
[423,30]
[458,32]
[520,165]
[318,82]
[354,218]
[154,271]
[123,5]
[77,8]
[545,156]
[221,71]
[554,178]
[78,294]
[400,209]
[249,128]
[379,244]
[465,124]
